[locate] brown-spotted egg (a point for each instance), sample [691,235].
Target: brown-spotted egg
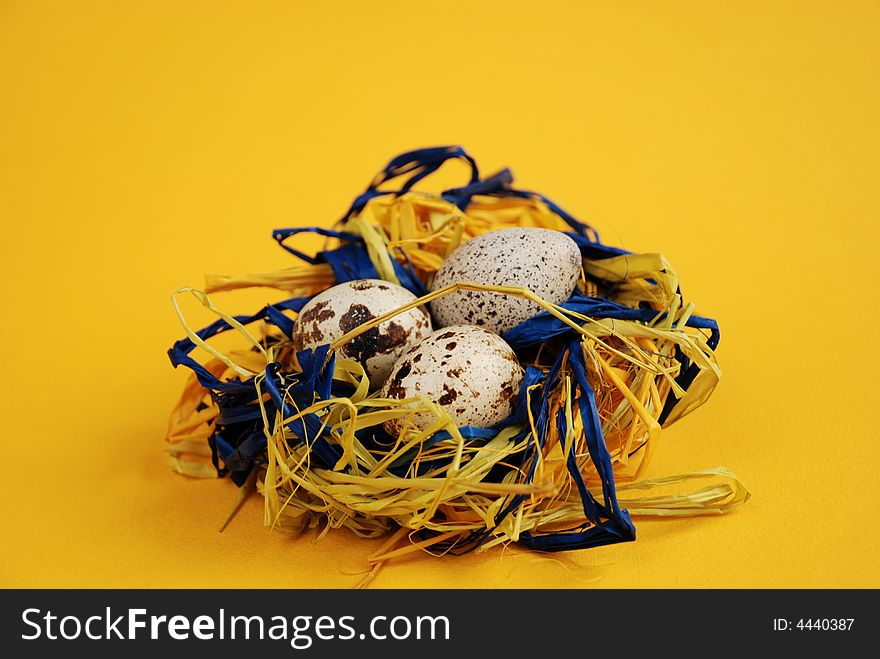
[545,261]
[470,372]
[338,310]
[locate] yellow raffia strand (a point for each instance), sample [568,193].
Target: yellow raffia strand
[299,281]
[722,493]
[206,301]
[631,367]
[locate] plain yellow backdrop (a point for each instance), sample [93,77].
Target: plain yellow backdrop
[143,144]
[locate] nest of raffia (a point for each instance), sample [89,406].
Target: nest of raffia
[605,371]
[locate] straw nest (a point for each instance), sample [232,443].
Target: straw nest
[544,481]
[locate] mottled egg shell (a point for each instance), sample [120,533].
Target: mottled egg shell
[339,309]
[547,262]
[470,372]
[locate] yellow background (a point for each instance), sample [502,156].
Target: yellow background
[145,143]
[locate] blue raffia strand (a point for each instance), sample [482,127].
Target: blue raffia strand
[239,438]
[419,163]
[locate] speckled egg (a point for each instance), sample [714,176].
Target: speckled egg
[340,309]
[470,372]
[547,262]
